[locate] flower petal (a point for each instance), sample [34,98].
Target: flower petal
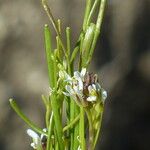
[94,87]
[77,75]
[104,94]
[32,134]
[83,72]
[69,89]
[35,137]
[71,92]
[91,89]
[80,84]
[91,98]
[98,87]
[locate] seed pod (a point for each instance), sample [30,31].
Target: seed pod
[49,55]
[87,42]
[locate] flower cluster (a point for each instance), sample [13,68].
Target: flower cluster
[83,87]
[39,142]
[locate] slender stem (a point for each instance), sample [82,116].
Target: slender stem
[101,14]
[68,48]
[59,25]
[82,129]
[51,126]
[87,11]
[72,108]
[71,124]
[68,40]
[55,140]
[67,103]
[47,116]
[56,147]
[92,11]
[81,52]
[57,120]
[76,129]
[58,41]
[77,48]
[91,135]
[24,118]
[53,58]
[50,16]
[98,131]
[45,100]
[48,110]
[58,47]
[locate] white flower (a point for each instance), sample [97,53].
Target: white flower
[92,93]
[83,87]
[36,144]
[74,86]
[37,140]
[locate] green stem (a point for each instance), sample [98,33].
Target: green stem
[24,118]
[76,49]
[68,40]
[58,48]
[51,126]
[50,16]
[45,100]
[58,41]
[91,134]
[76,129]
[47,115]
[98,131]
[72,108]
[74,54]
[92,11]
[56,146]
[68,49]
[87,11]
[59,25]
[101,14]
[82,129]
[53,58]
[57,120]
[71,124]
[48,110]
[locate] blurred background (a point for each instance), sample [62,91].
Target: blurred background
[122,60]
